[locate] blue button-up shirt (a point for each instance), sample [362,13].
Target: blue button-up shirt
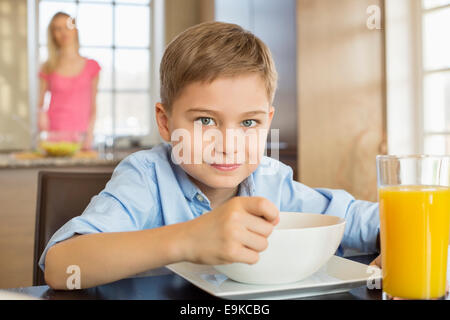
[147,190]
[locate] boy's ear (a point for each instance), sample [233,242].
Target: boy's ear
[162,119]
[271,113]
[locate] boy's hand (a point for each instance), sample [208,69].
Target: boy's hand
[376,262]
[234,232]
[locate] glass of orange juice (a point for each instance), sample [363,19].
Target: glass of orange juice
[414,199]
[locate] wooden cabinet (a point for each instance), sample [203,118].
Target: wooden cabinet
[341,95]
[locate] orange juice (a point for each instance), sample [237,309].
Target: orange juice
[415,223]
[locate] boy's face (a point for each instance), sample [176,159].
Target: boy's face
[223,127]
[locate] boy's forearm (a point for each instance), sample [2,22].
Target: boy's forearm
[107,257]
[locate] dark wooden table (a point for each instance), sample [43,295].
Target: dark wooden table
[169,286]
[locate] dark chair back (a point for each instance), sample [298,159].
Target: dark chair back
[60,197]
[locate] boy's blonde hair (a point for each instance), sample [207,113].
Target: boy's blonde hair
[210,50]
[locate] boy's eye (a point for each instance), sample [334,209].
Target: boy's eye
[249,123]
[206,121]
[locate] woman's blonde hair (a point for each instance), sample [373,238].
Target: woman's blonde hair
[52,47]
[210,50]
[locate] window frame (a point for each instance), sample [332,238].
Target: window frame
[423,73]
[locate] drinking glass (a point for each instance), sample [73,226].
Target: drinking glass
[414,199]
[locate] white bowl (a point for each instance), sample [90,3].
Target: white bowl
[299,245]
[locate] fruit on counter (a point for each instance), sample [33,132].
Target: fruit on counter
[60,149]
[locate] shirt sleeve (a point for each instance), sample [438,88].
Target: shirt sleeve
[94,69]
[362,217]
[126,204]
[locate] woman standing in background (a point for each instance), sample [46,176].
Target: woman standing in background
[72,81]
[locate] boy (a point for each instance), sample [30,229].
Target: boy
[167,204]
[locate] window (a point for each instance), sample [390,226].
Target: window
[117,34]
[436,76]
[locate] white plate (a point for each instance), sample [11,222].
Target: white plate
[338,275]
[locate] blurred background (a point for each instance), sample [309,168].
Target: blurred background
[357,78]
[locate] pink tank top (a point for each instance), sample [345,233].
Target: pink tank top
[71,98]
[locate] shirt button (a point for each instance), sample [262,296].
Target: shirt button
[200,197]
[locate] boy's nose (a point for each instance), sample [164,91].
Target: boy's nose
[232,142]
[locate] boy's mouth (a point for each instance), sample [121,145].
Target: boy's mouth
[225,167]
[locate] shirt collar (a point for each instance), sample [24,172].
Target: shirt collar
[190,190]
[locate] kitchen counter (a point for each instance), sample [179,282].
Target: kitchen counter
[32,160]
